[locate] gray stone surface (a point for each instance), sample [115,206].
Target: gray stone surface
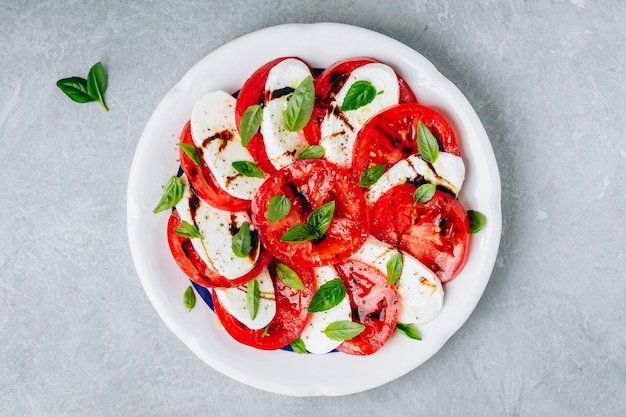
[547,78]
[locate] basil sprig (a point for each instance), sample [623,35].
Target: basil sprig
[289,277]
[371,175]
[427,144]
[298,346]
[360,94]
[248,169]
[300,106]
[424,193]
[278,208]
[192,152]
[172,194]
[476,220]
[394,268]
[189,298]
[315,227]
[343,330]
[250,123]
[188,230]
[312,152]
[327,296]
[253,298]
[242,241]
[87,90]
[408,331]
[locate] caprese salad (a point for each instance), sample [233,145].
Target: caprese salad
[319,207]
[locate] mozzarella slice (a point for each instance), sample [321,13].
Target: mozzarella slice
[448,171]
[234,300]
[339,129]
[218,228]
[282,146]
[215,133]
[314,340]
[419,290]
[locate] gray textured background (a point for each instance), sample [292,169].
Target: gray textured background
[78,336]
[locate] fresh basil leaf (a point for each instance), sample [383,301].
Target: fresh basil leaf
[320,218]
[172,194]
[327,296]
[248,169]
[278,208]
[427,144]
[192,152]
[394,268]
[359,94]
[289,277]
[189,298]
[408,331]
[343,330]
[312,152]
[242,241]
[188,230]
[76,89]
[424,193]
[253,298]
[476,220]
[97,83]
[298,233]
[298,346]
[371,175]
[300,106]
[250,123]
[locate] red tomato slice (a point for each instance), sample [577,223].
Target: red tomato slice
[203,182]
[391,136]
[328,84]
[435,232]
[289,321]
[374,304]
[192,264]
[309,184]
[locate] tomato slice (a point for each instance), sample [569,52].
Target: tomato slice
[289,321]
[203,182]
[435,232]
[309,184]
[391,136]
[374,304]
[192,264]
[328,84]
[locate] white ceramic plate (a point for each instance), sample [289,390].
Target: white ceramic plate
[156,159]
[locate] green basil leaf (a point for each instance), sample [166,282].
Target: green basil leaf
[289,277]
[476,220]
[188,230]
[371,175]
[327,296]
[253,298]
[424,193]
[172,194]
[312,152]
[97,84]
[189,298]
[394,268]
[248,169]
[320,219]
[298,233]
[250,123]
[242,241]
[278,208]
[76,89]
[343,330]
[192,152]
[427,144]
[408,331]
[300,106]
[359,94]
[298,346]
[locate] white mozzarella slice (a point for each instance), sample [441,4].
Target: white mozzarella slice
[218,227]
[215,133]
[234,300]
[419,290]
[282,146]
[314,340]
[339,129]
[448,171]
